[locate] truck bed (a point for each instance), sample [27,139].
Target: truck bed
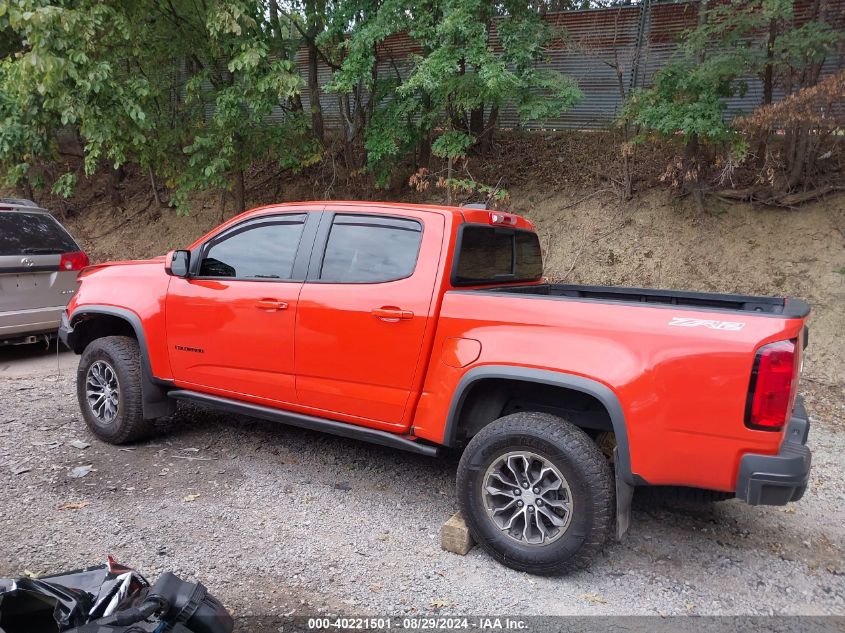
[785,307]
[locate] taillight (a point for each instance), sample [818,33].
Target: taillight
[774,381]
[73,261]
[508,219]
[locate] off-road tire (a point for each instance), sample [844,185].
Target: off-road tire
[122,354]
[579,460]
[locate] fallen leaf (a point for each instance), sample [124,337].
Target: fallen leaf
[79,444]
[29,574]
[191,497]
[81,471]
[438,604]
[592,597]
[74,505]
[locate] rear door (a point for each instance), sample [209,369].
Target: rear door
[33,289]
[364,312]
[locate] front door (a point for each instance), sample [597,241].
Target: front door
[230,325]
[364,311]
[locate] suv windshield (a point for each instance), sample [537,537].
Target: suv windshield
[33,234]
[488,254]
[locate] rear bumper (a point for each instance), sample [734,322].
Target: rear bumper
[20,323]
[775,480]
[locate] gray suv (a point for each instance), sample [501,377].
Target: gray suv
[39,262]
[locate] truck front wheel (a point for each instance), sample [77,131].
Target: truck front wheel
[108,387]
[536,493]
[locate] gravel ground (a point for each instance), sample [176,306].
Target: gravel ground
[276,520]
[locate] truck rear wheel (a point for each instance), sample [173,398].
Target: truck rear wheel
[536,493]
[108,387]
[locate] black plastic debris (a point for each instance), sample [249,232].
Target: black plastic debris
[108,598]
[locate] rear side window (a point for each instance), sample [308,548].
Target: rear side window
[33,234]
[488,254]
[371,249]
[262,250]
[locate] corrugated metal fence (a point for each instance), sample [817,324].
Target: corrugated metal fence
[608,52]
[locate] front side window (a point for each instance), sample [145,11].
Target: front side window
[488,254]
[260,250]
[370,249]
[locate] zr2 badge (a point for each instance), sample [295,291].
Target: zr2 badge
[731,326]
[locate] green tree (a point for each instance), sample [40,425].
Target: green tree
[181,88]
[234,86]
[686,102]
[57,78]
[456,81]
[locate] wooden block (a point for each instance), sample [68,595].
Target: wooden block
[455,536]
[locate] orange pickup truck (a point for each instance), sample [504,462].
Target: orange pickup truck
[426,327]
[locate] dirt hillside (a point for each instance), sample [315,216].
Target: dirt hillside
[589,235]
[652,243]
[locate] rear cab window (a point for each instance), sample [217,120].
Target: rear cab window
[23,233]
[494,255]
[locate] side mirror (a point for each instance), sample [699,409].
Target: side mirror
[176,263]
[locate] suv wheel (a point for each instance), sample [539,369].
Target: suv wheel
[108,386]
[536,493]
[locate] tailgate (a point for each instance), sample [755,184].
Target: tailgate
[33,301]
[27,286]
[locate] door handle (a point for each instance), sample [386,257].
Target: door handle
[271,305]
[392,314]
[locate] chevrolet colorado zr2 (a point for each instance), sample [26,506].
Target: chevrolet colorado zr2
[423,327]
